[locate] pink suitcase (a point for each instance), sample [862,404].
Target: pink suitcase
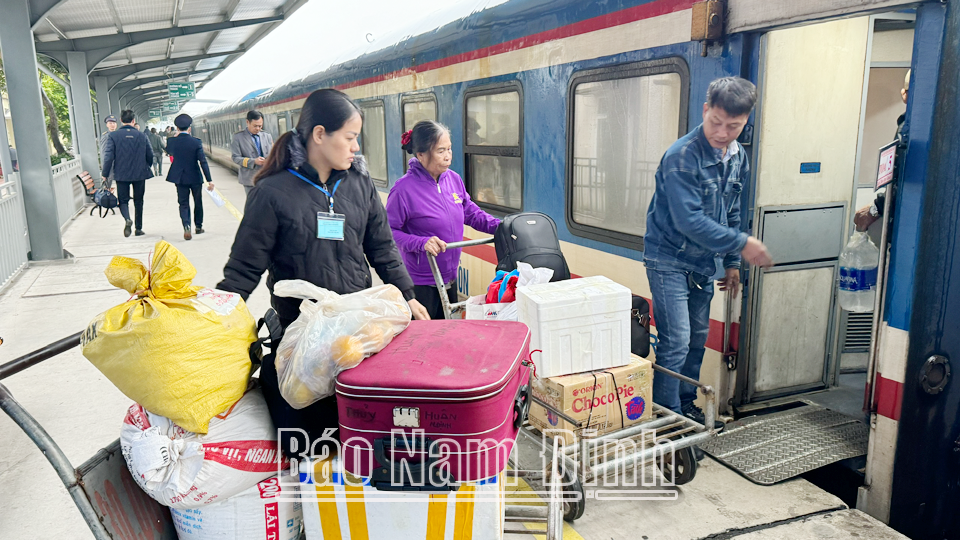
[441,404]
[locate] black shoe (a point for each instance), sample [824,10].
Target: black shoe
[186,233]
[139,232]
[128,226]
[199,230]
[694,413]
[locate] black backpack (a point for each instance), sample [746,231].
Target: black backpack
[530,237]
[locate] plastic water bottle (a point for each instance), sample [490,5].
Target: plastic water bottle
[858,274]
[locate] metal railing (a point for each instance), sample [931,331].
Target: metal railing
[13,229]
[70,196]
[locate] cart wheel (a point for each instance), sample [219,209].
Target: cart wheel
[683,466]
[573,508]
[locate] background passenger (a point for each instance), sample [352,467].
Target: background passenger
[188,162]
[249,149]
[313,175]
[428,208]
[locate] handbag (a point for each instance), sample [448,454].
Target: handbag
[105,201]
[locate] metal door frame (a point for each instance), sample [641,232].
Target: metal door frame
[743,393]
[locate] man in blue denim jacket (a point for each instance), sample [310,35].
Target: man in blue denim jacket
[693,225]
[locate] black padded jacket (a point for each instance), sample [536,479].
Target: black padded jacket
[278,234]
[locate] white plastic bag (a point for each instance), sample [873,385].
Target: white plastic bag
[333,333]
[532,276]
[182,469]
[476,309]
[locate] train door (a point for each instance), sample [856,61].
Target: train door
[814,84]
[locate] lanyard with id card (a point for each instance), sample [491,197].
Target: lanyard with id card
[330,225]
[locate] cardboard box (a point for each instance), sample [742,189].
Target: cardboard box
[604,400]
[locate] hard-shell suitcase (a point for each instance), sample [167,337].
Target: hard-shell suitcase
[530,237]
[441,404]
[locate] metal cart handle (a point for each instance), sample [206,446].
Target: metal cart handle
[448,308]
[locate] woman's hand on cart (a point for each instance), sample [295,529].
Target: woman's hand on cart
[419,312]
[435,246]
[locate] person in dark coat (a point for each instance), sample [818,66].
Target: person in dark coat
[314,170]
[188,160]
[128,156]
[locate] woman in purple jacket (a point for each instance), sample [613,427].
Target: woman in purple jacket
[428,208]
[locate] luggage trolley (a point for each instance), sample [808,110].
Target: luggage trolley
[668,437]
[110,501]
[114,507]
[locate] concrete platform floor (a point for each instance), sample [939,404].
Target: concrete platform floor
[83,411]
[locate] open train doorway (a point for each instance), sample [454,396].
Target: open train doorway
[830,98]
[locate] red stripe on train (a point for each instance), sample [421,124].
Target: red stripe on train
[617,18]
[487,253]
[888,397]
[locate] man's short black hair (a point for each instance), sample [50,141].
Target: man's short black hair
[127,116]
[253,116]
[735,95]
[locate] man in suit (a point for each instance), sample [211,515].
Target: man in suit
[250,148]
[188,159]
[127,158]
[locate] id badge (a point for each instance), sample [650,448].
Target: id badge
[330,226]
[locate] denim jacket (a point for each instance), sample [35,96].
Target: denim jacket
[694,217]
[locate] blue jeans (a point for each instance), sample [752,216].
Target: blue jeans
[681,310]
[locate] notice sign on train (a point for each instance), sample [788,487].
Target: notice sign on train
[888,155]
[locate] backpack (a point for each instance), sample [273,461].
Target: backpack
[530,237]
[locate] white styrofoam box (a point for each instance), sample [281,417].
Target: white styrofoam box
[270,509]
[579,324]
[337,509]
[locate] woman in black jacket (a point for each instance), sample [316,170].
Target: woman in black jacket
[314,214]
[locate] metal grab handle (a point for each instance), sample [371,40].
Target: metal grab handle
[448,308]
[729,356]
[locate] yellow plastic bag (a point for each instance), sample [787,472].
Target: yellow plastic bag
[179,351]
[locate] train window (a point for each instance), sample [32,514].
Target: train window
[493,135]
[282,123]
[295,117]
[373,141]
[417,109]
[623,119]
[414,109]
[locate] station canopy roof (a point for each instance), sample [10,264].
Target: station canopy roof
[140,45]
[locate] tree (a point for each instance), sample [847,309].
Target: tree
[50,90]
[56,108]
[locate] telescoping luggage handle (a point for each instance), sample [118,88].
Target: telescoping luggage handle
[448,308]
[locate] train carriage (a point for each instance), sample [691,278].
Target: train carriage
[565,107]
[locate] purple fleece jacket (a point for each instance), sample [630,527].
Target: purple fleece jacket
[420,207]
